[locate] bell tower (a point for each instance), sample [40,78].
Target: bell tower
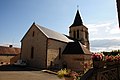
[78,31]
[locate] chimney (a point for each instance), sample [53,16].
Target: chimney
[10,46]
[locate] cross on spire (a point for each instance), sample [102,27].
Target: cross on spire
[77,7]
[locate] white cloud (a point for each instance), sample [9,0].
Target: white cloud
[104,36]
[115,30]
[105,45]
[98,49]
[101,49]
[105,30]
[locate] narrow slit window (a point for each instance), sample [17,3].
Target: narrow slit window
[59,53]
[74,34]
[32,52]
[78,34]
[33,34]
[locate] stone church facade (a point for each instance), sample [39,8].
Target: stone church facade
[45,48]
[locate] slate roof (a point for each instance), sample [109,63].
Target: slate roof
[9,50]
[75,48]
[77,20]
[53,35]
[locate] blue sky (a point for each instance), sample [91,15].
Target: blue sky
[100,16]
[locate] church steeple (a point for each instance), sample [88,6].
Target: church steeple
[77,20]
[78,31]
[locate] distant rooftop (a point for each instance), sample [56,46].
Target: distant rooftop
[9,50]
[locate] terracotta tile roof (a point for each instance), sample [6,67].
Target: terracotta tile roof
[9,50]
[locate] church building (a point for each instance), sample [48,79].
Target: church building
[44,48]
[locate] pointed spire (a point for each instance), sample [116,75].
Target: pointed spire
[77,20]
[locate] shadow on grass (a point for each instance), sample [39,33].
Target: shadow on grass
[17,68]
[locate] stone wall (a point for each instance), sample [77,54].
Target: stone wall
[54,52]
[39,42]
[78,62]
[5,59]
[83,35]
[14,59]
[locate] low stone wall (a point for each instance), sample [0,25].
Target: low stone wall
[78,62]
[5,59]
[14,59]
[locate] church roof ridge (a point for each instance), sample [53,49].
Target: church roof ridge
[53,34]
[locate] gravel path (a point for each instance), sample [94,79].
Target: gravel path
[24,73]
[27,75]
